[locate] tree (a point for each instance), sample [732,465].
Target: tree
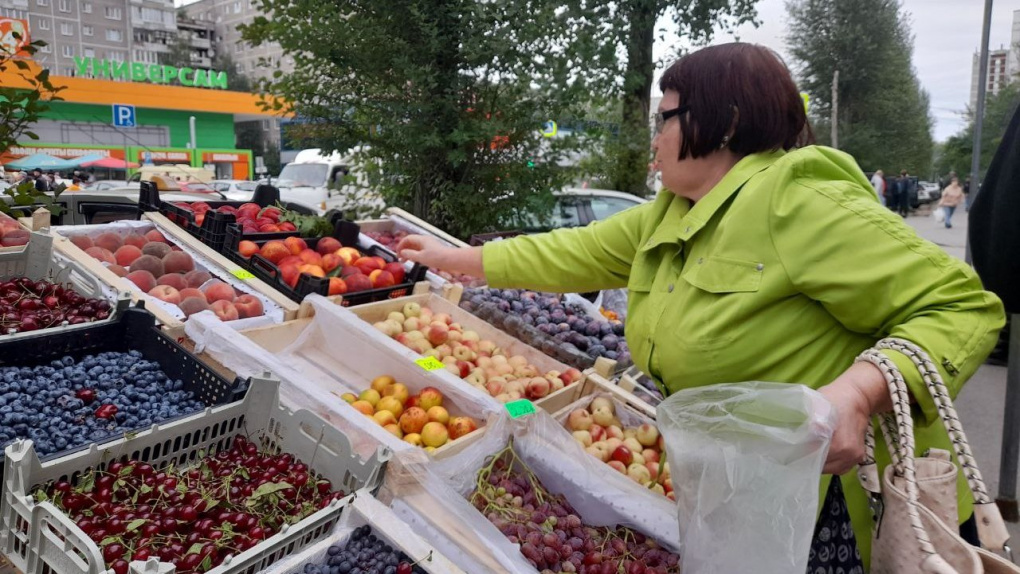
[955,154]
[695,21]
[884,119]
[444,99]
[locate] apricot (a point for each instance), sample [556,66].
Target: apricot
[104,255]
[155,235]
[143,279]
[175,280]
[197,278]
[82,242]
[109,241]
[192,305]
[156,249]
[178,262]
[148,263]
[126,255]
[219,291]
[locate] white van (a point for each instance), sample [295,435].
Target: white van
[320,181]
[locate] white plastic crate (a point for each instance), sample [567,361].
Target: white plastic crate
[38,538]
[366,510]
[37,261]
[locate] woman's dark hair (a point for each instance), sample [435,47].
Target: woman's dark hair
[743,82]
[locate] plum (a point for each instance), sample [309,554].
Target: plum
[610,342]
[605,328]
[593,329]
[612,355]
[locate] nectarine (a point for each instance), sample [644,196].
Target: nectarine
[327,245]
[247,248]
[275,251]
[295,244]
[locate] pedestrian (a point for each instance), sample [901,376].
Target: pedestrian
[903,194]
[952,196]
[75,184]
[747,267]
[41,183]
[878,182]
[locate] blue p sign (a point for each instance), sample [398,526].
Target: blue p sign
[123,116]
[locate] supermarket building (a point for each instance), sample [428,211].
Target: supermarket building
[144,113]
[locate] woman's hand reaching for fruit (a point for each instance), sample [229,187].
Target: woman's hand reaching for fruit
[433,253]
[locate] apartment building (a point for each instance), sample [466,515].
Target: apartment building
[1003,64]
[226,16]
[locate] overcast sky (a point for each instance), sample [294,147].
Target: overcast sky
[946,34]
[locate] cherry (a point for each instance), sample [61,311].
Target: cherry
[141,554]
[106,411]
[404,568]
[120,566]
[113,551]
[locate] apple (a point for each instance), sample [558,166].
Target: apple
[434,434]
[602,402]
[583,437]
[439,415]
[413,438]
[651,455]
[613,431]
[413,420]
[392,405]
[618,466]
[633,445]
[647,434]
[398,391]
[494,387]
[437,333]
[598,432]
[430,397]
[396,316]
[638,473]
[371,396]
[349,397]
[599,451]
[384,418]
[460,426]
[364,407]
[623,455]
[537,388]
[653,469]
[602,416]
[463,353]
[580,420]
[412,309]
[470,336]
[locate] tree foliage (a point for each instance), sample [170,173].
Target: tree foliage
[20,108]
[445,99]
[955,154]
[884,119]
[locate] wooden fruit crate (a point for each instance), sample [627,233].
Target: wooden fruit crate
[218,266]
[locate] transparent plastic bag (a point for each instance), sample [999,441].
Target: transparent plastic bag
[746,462]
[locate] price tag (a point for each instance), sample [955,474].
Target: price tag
[520,408]
[430,363]
[242,274]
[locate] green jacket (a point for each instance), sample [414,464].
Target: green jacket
[785,271]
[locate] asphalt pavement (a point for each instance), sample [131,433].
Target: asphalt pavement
[980,403]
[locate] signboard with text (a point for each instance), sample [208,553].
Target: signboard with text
[152,73]
[14,36]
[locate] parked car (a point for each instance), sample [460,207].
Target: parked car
[577,207]
[105,184]
[928,192]
[235,189]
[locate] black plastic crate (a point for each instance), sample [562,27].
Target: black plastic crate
[135,330]
[347,232]
[212,232]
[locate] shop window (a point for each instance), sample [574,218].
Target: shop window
[67,51]
[87,31]
[86,7]
[67,29]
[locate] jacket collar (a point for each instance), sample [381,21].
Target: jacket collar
[682,221]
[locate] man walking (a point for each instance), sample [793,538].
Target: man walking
[903,194]
[878,182]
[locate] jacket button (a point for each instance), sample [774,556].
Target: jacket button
[761,266]
[670,288]
[701,260]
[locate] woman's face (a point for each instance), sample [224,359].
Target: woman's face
[682,177]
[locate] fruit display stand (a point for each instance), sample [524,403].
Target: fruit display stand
[38,261]
[320,358]
[37,537]
[366,510]
[434,499]
[368,315]
[276,307]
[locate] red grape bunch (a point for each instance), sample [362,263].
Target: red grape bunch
[550,533]
[194,518]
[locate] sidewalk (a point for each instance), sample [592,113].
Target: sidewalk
[980,404]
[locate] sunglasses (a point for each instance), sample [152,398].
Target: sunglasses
[662,117]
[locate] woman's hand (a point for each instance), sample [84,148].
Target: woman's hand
[433,253]
[857,394]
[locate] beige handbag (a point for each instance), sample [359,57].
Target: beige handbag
[915,503]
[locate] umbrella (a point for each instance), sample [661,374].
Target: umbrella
[111,163]
[41,161]
[86,158]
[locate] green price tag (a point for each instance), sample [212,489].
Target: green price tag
[242,274]
[430,363]
[520,408]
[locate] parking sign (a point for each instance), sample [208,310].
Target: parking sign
[123,116]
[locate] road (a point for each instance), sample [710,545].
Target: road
[980,403]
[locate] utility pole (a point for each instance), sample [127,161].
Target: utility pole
[835,109]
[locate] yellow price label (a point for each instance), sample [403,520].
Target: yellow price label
[242,274]
[430,363]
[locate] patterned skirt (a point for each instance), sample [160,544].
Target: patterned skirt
[834,546]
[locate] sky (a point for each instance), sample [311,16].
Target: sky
[946,35]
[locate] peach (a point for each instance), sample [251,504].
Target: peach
[197,278]
[166,293]
[175,280]
[109,241]
[156,236]
[311,257]
[313,270]
[178,262]
[358,282]
[118,270]
[191,292]
[248,306]
[381,279]
[348,254]
[156,249]
[192,305]
[413,420]
[274,251]
[327,245]
[143,279]
[126,255]
[104,255]
[148,263]
[331,261]
[397,270]
[291,260]
[439,415]
[290,274]
[430,397]
[295,244]
[136,240]
[337,286]
[82,242]
[367,264]
[434,434]
[460,426]
[224,310]
[219,291]
[247,248]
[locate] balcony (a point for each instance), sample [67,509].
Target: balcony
[201,61]
[200,43]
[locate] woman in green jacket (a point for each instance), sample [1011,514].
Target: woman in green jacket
[763,260]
